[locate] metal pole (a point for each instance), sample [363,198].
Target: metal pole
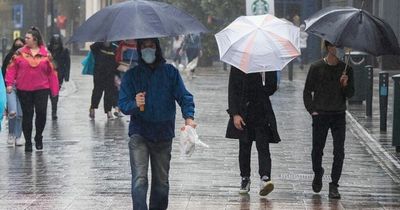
[396,113]
[369,93]
[290,68]
[383,99]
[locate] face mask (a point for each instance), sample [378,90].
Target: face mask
[148,55]
[339,53]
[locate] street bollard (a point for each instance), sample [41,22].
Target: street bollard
[396,113]
[369,93]
[383,99]
[3,47]
[290,69]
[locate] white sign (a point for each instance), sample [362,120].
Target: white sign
[260,7]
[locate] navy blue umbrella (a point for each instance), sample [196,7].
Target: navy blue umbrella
[134,20]
[354,28]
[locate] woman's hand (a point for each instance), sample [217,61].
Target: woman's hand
[238,122]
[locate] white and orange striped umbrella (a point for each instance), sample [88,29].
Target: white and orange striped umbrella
[259,43]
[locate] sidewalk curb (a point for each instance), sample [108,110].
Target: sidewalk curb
[383,158]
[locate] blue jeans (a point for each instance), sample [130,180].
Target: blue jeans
[14,114]
[159,153]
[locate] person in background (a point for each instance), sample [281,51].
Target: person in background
[14,112]
[192,46]
[3,98]
[32,73]
[105,70]
[149,93]
[62,64]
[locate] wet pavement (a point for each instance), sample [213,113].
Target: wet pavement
[85,163]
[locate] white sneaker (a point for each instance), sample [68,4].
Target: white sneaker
[266,186]
[11,140]
[19,142]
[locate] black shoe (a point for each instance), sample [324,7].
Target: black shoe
[39,142]
[28,146]
[333,191]
[317,182]
[54,116]
[245,185]
[266,186]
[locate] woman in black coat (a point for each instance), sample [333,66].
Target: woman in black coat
[252,119]
[62,64]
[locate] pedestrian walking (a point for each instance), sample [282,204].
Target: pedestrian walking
[176,50]
[32,72]
[105,70]
[192,46]
[148,93]
[303,46]
[3,98]
[14,111]
[328,85]
[62,64]
[252,119]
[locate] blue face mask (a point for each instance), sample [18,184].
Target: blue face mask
[148,55]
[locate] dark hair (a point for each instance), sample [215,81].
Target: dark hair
[14,47]
[37,36]
[328,44]
[56,39]
[159,56]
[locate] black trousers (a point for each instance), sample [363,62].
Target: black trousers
[33,102]
[104,82]
[321,124]
[264,155]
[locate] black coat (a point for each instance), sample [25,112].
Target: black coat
[249,98]
[62,64]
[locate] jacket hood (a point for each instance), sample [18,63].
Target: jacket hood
[159,57]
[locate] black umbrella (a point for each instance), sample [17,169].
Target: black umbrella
[354,28]
[134,20]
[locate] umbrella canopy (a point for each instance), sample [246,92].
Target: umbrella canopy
[134,20]
[354,28]
[258,43]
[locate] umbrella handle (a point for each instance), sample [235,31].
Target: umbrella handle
[347,63]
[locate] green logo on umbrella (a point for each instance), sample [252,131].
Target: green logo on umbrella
[260,7]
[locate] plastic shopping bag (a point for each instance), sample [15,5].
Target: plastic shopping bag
[188,140]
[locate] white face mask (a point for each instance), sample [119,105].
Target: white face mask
[148,55]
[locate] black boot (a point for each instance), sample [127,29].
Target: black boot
[39,142]
[333,191]
[28,146]
[54,115]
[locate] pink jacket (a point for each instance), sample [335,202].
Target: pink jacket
[30,73]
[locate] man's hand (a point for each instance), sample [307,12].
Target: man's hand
[343,80]
[9,89]
[140,99]
[190,122]
[238,122]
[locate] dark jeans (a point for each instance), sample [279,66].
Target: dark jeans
[321,124]
[33,102]
[159,153]
[264,156]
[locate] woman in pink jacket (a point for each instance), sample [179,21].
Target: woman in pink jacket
[34,76]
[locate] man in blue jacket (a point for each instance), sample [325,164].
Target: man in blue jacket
[148,93]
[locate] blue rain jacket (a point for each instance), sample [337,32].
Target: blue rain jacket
[163,86]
